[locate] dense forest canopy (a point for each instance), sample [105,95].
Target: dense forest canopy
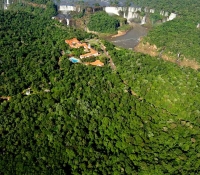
[102,22]
[179,36]
[178,6]
[141,118]
[44,10]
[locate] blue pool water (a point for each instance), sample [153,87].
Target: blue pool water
[74,60]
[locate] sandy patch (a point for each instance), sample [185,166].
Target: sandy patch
[120,33]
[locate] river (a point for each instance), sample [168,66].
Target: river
[131,38]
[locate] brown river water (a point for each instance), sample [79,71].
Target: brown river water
[131,38]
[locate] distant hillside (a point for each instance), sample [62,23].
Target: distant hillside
[46,9]
[183,7]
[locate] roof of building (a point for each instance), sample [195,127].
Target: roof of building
[74,43]
[97,63]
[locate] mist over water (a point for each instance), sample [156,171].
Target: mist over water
[89,2]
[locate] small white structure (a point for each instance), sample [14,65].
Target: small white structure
[28,91]
[198,26]
[171,17]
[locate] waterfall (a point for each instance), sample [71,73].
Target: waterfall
[67,8]
[113,10]
[152,10]
[166,14]
[171,16]
[162,12]
[143,21]
[132,9]
[146,10]
[67,20]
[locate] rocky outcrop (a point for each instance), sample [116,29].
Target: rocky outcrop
[152,50]
[147,48]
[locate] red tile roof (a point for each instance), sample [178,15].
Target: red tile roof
[74,43]
[97,63]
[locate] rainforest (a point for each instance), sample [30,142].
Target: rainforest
[132,114]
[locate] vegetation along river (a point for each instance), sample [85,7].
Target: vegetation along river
[131,38]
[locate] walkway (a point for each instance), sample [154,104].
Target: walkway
[112,65]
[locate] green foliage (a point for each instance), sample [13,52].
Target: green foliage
[89,122]
[179,6]
[44,10]
[163,84]
[77,15]
[154,17]
[103,23]
[34,40]
[90,59]
[177,36]
[39,1]
[114,2]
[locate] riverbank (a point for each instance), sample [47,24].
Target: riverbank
[130,38]
[120,33]
[107,35]
[152,50]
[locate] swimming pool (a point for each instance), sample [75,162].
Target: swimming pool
[74,60]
